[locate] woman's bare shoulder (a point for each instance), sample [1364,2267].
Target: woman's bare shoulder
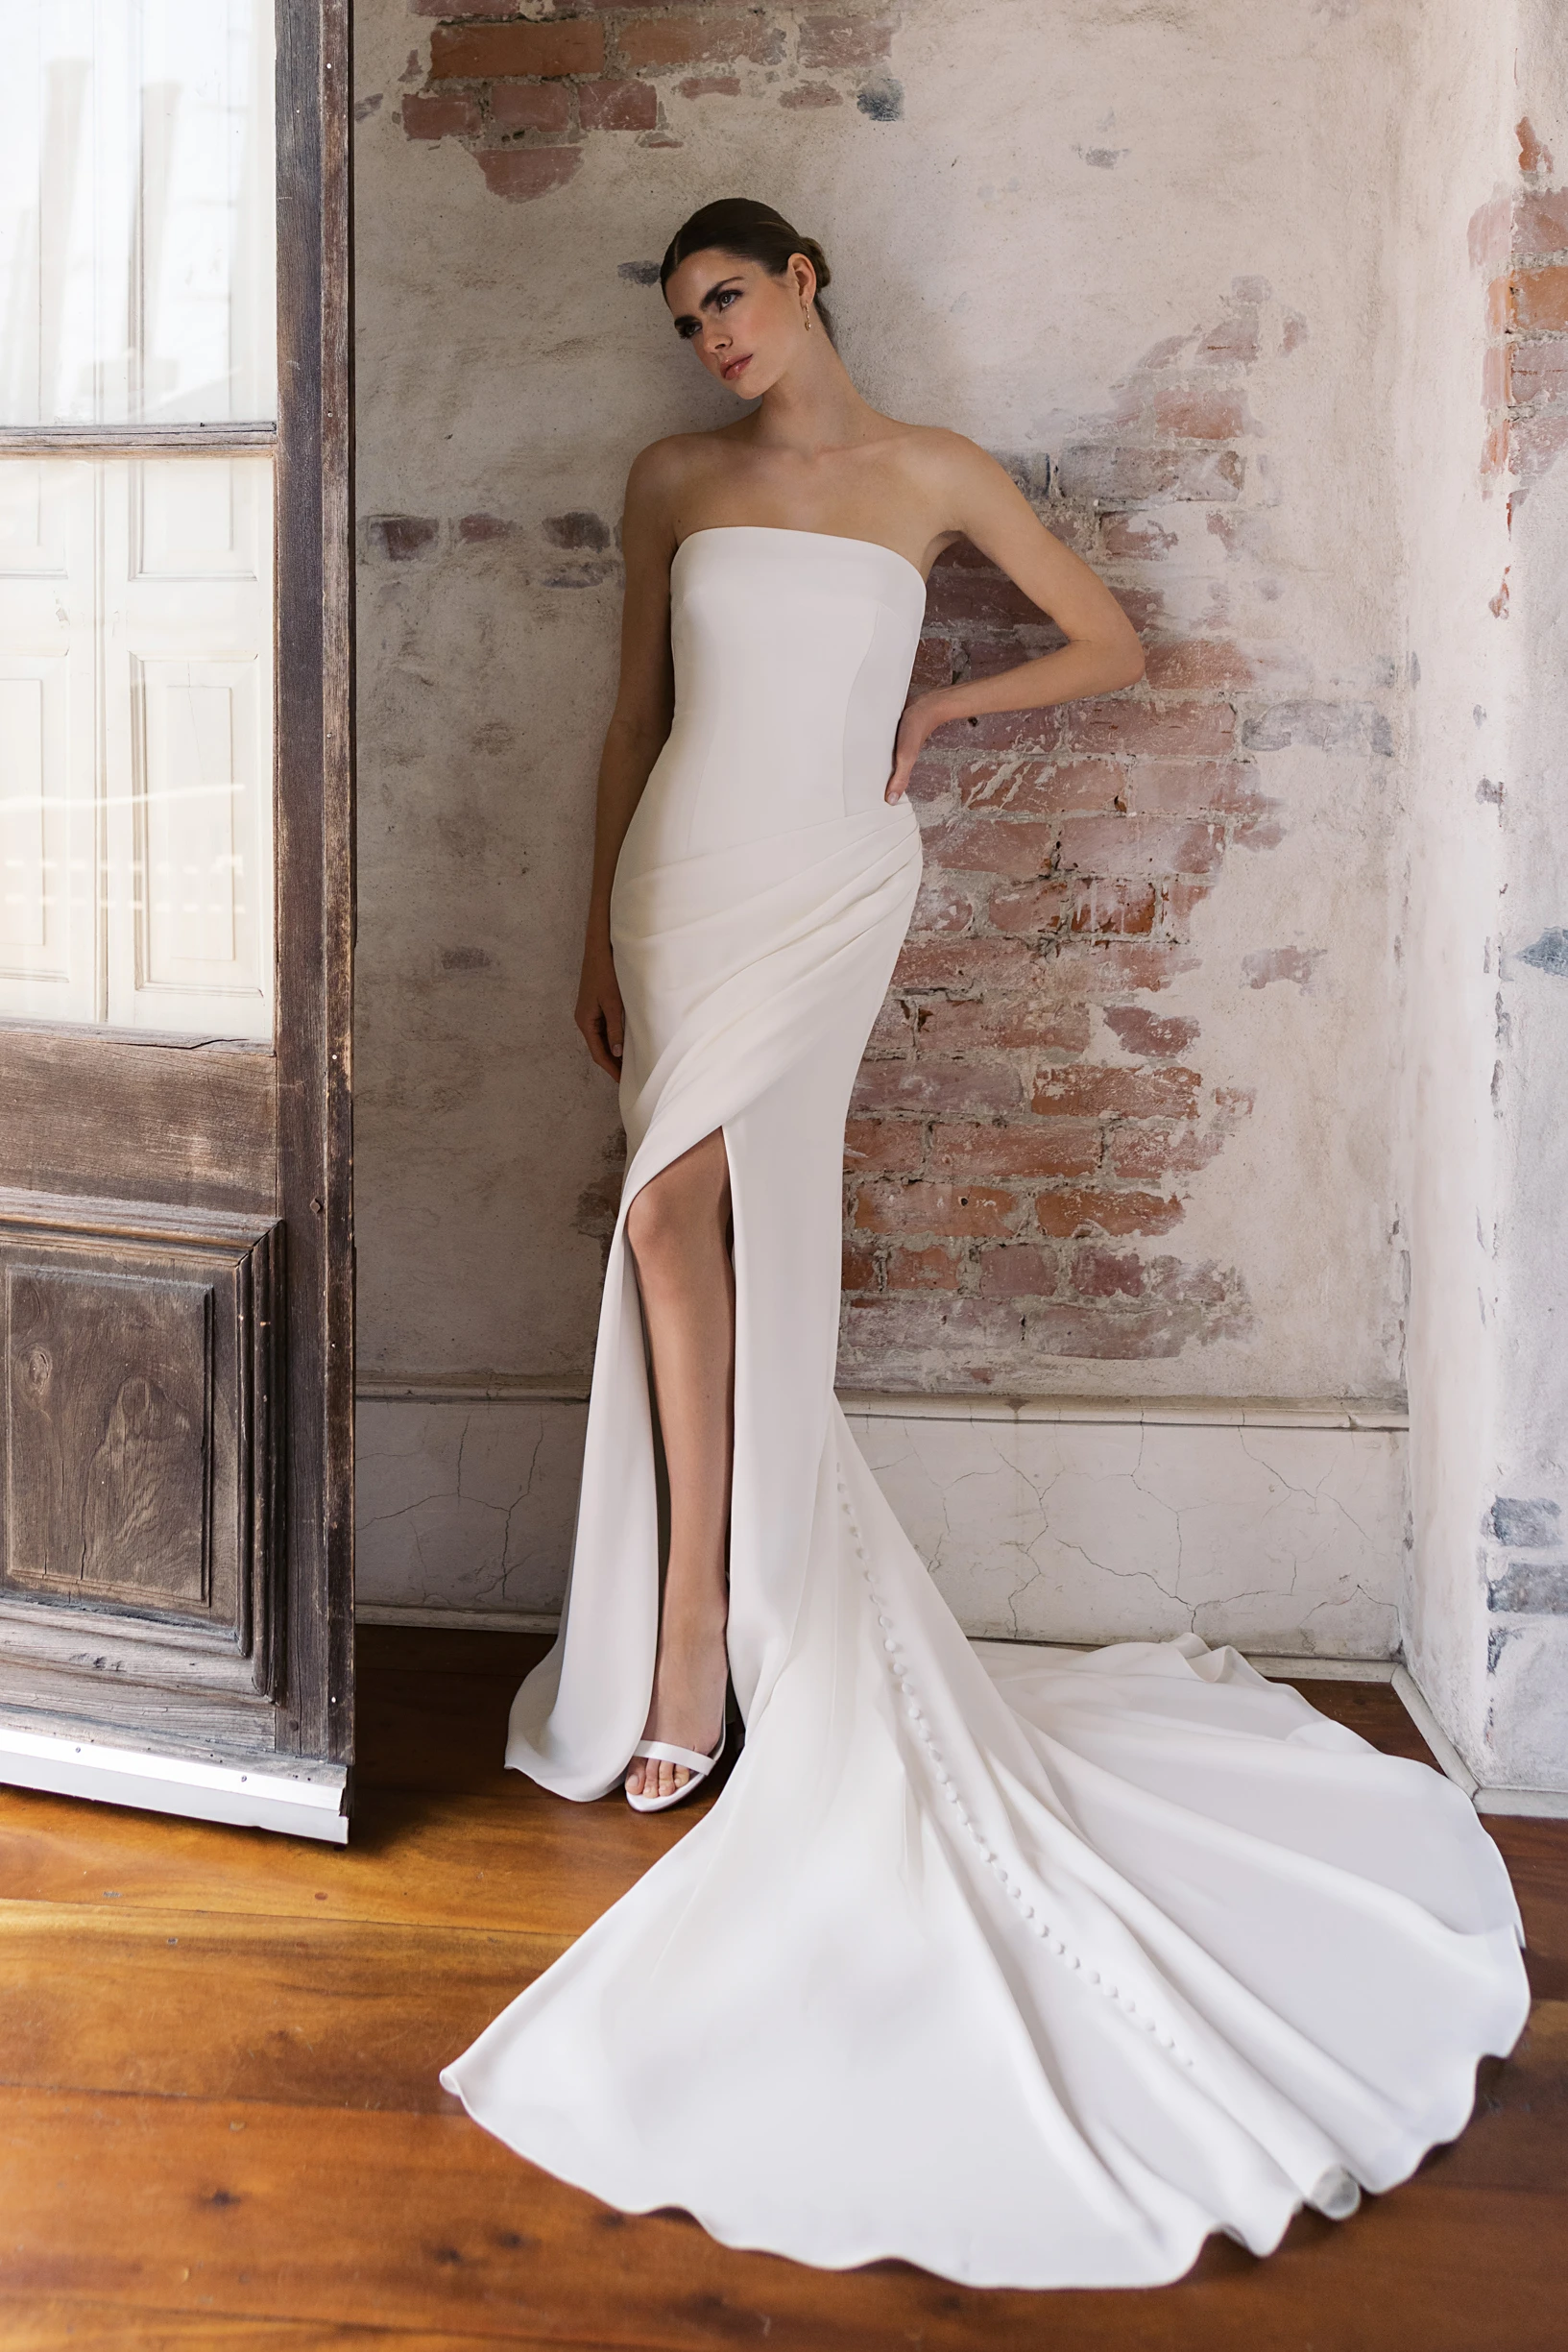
[677,459]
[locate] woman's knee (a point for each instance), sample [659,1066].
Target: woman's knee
[681,1210]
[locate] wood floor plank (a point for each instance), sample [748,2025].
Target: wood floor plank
[1374,1710]
[425,2223]
[523,1862]
[1537,1853]
[30,2325]
[310,2012]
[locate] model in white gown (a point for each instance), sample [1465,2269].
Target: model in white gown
[1031,1967]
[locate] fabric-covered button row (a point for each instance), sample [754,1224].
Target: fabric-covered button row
[1038,1926]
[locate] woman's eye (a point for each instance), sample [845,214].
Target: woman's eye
[685,329]
[729,294]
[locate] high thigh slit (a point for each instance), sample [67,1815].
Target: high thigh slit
[1031,1967]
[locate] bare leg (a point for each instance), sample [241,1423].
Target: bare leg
[678,1228]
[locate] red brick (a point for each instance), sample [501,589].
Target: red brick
[1495,372]
[933,663]
[987,844]
[1186,787]
[440,115]
[1035,912]
[884,1147]
[1499,305]
[963,1211]
[710,85]
[811,94]
[1182,900]
[944,908]
[1038,787]
[952,1330]
[1138,845]
[1001,1022]
[1538,442]
[531,106]
[1233,341]
[698,40]
[1494,453]
[964,594]
[1539,300]
[617,106]
[476,530]
[1159,731]
[1040,730]
[1129,475]
[964,964]
[485,53]
[1534,156]
[1138,537]
[1140,1032]
[1106,1274]
[400,538]
[1108,1335]
[892,1032]
[1104,1090]
[1539,372]
[859,1270]
[518,173]
[1540,223]
[839,41]
[1198,661]
[1144,1155]
[1200,416]
[1065,1214]
[1117,910]
[1489,235]
[1018,1153]
[931,1269]
[973,1090]
[1020,1270]
[1112,966]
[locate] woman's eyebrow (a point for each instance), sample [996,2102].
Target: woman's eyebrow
[717,287]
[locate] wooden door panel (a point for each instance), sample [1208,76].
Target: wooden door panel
[184,1121]
[108,1432]
[139,1437]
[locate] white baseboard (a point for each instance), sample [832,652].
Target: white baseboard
[1541,1803]
[302,1800]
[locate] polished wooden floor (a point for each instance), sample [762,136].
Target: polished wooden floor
[220,2125]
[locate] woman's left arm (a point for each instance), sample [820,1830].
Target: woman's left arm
[1101,653]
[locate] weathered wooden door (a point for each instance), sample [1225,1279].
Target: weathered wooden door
[176,907]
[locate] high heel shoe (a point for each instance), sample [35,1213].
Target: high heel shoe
[665,1751]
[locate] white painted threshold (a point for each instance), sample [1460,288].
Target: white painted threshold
[305,1802]
[1545,1804]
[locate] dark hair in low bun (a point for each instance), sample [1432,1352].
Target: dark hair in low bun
[752,232]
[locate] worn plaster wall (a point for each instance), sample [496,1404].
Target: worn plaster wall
[1485,335]
[1128,1127]
[1090,1151]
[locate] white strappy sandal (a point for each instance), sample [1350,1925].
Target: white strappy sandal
[666,1751]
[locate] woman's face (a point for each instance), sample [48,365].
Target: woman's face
[744,324]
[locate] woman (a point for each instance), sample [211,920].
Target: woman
[1030,1967]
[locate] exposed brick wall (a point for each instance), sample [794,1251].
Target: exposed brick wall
[1028,1127]
[523,89]
[1521,239]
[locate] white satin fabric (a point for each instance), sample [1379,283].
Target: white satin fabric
[1028,1966]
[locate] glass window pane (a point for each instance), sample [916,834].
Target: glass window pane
[136,212]
[135,742]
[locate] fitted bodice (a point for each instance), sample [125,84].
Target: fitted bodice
[792,654]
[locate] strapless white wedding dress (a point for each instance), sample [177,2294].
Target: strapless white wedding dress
[1030,1967]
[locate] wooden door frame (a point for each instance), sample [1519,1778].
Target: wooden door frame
[313,1032]
[91,1118]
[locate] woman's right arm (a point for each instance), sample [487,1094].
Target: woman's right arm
[639,727]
